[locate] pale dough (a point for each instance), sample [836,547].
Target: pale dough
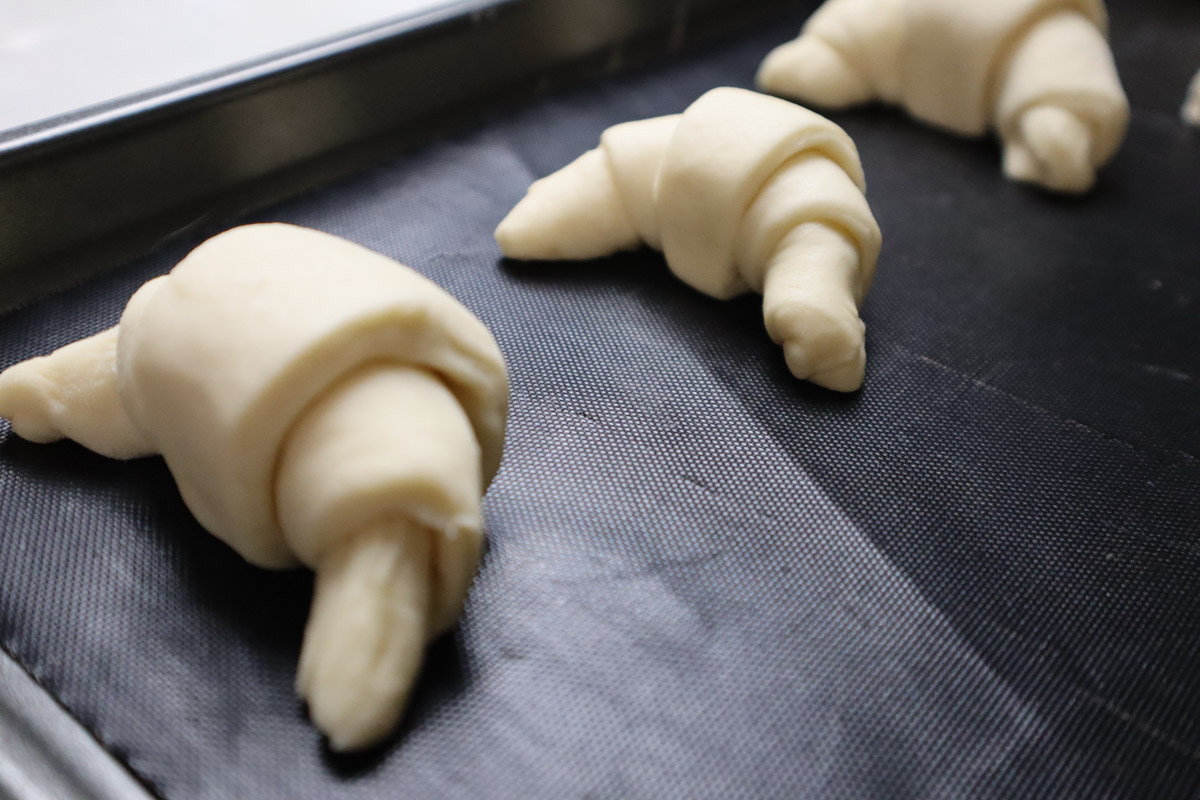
[1038,71]
[742,192]
[318,403]
[1191,107]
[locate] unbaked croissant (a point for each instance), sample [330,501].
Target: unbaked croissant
[1191,106]
[1039,71]
[741,192]
[317,403]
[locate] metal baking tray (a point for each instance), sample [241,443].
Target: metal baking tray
[82,190]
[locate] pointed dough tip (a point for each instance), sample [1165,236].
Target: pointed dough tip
[25,402]
[1057,153]
[575,213]
[844,377]
[366,634]
[812,71]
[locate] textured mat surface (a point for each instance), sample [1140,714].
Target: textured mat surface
[979,577]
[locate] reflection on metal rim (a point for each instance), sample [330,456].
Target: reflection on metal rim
[45,754]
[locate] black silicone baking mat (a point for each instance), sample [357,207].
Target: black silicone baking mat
[979,577]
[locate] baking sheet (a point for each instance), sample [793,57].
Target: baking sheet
[81,191]
[976,578]
[57,64]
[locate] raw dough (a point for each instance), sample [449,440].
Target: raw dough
[741,192]
[1191,108]
[1039,71]
[317,403]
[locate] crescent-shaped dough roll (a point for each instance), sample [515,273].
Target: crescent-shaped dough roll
[317,403]
[1191,106]
[741,192]
[1038,71]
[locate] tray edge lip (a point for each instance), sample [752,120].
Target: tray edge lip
[180,96]
[45,741]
